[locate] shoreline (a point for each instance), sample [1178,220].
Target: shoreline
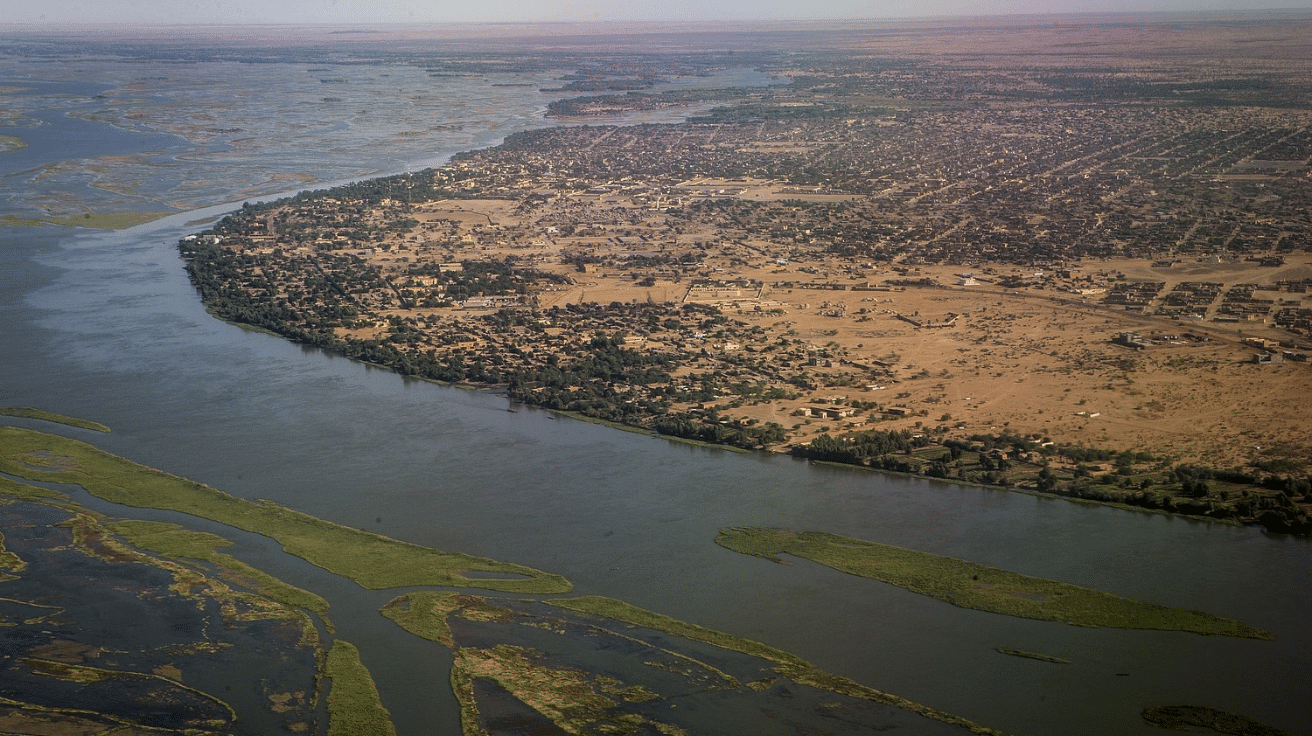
[1024,476]
[502,389]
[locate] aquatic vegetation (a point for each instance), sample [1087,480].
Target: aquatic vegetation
[1187,717]
[979,587]
[631,614]
[522,657]
[60,676]
[354,708]
[372,560]
[172,540]
[571,699]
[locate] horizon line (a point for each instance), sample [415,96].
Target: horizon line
[144,26]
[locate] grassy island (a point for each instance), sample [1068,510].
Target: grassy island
[49,416]
[354,708]
[983,588]
[372,560]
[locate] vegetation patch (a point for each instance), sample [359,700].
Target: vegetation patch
[28,492]
[970,585]
[9,562]
[86,675]
[631,614]
[172,540]
[49,416]
[493,677]
[354,707]
[788,665]
[425,613]
[570,698]
[372,560]
[1188,717]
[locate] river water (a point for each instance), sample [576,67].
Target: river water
[105,326]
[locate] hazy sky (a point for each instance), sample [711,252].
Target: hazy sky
[386,11]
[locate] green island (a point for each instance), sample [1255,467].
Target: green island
[1189,717]
[49,416]
[372,560]
[354,708]
[648,660]
[970,585]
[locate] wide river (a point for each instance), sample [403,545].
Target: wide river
[105,326]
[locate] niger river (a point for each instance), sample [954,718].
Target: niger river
[106,327]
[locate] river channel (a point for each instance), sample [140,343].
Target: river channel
[105,326]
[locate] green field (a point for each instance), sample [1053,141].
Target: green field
[970,585]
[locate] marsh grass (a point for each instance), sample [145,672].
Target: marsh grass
[174,541]
[354,707]
[631,614]
[49,416]
[425,613]
[85,674]
[970,585]
[372,560]
[9,562]
[28,492]
[575,701]
[788,665]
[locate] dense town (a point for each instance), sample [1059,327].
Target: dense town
[1036,276]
